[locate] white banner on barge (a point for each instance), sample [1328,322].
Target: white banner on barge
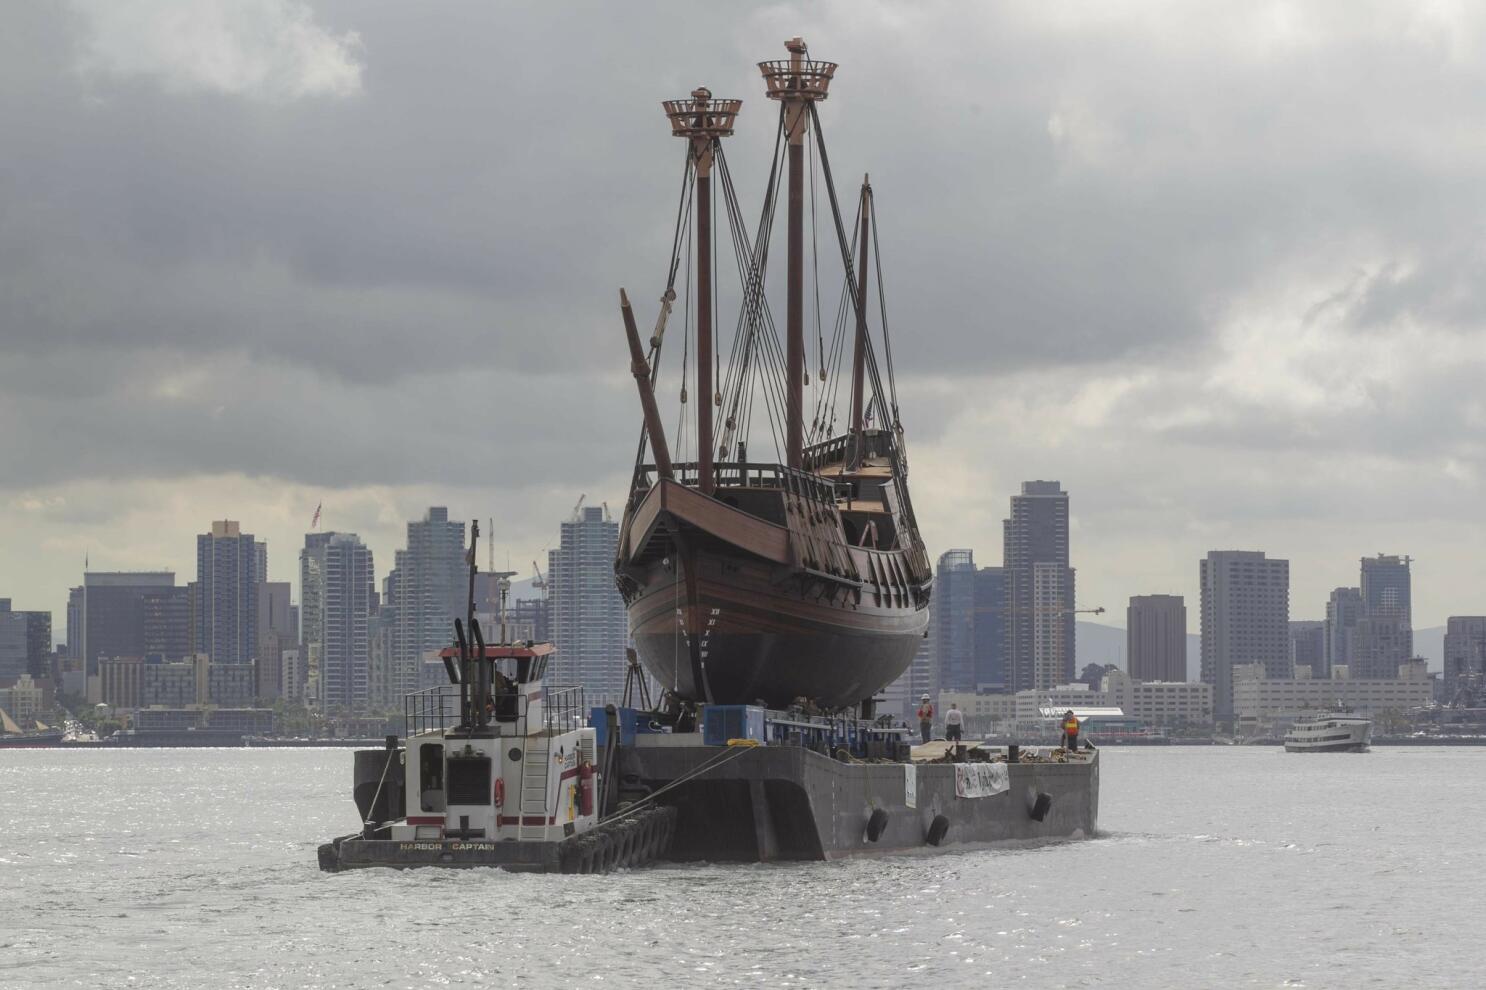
[976,780]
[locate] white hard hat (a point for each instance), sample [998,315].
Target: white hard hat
[924,698]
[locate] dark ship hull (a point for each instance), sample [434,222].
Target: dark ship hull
[728,608]
[758,643]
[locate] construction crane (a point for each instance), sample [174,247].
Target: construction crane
[539,582]
[579,507]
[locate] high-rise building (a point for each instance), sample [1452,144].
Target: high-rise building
[921,677]
[422,596]
[229,570]
[991,603]
[1381,644]
[277,619]
[1245,619]
[1384,636]
[380,637]
[1156,638]
[1386,587]
[589,625]
[25,643]
[115,620]
[291,675]
[167,623]
[74,642]
[1465,651]
[953,606]
[1308,646]
[1040,588]
[1343,610]
[968,628]
[335,610]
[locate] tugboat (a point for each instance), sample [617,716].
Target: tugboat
[497,770]
[772,582]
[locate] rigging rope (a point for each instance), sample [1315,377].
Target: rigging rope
[879,393]
[683,210]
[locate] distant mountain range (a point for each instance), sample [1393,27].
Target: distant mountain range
[1097,643]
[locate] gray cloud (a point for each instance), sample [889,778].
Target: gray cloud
[1205,264]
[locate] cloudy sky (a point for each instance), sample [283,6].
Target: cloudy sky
[1219,268]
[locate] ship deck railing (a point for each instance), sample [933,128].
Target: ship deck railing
[747,474]
[437,708]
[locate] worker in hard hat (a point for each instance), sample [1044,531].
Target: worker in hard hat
[925,717]
[1070,730]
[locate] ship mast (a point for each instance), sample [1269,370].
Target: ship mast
[859,352]
[703,121]
[796,82]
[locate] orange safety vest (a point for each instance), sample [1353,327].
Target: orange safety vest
[926,713]
[1070,726]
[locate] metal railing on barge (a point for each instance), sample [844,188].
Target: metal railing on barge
[825,734]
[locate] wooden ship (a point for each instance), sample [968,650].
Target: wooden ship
[801,579]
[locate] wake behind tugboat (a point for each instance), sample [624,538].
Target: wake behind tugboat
[772,601]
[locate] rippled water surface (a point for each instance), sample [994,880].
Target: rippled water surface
[1216,867]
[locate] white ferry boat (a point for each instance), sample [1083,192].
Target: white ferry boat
[1329,732]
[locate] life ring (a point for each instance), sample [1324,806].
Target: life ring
[500,792]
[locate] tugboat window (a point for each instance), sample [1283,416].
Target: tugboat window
[431,777]
[469,780]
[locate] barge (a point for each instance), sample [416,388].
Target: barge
[496,771]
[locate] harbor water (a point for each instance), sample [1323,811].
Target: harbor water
[1217,866]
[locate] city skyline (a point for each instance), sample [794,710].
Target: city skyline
[1300,401]
[1302,609]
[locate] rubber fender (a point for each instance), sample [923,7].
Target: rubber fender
[587,850]
[627,845]
[330,858]
[604,860]
[570,855]
[1040,807]
[876,822]
[600,849]
[938,828]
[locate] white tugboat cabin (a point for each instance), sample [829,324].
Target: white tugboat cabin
[516,764]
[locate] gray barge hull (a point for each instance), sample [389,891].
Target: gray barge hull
[773,803]
[789,803]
